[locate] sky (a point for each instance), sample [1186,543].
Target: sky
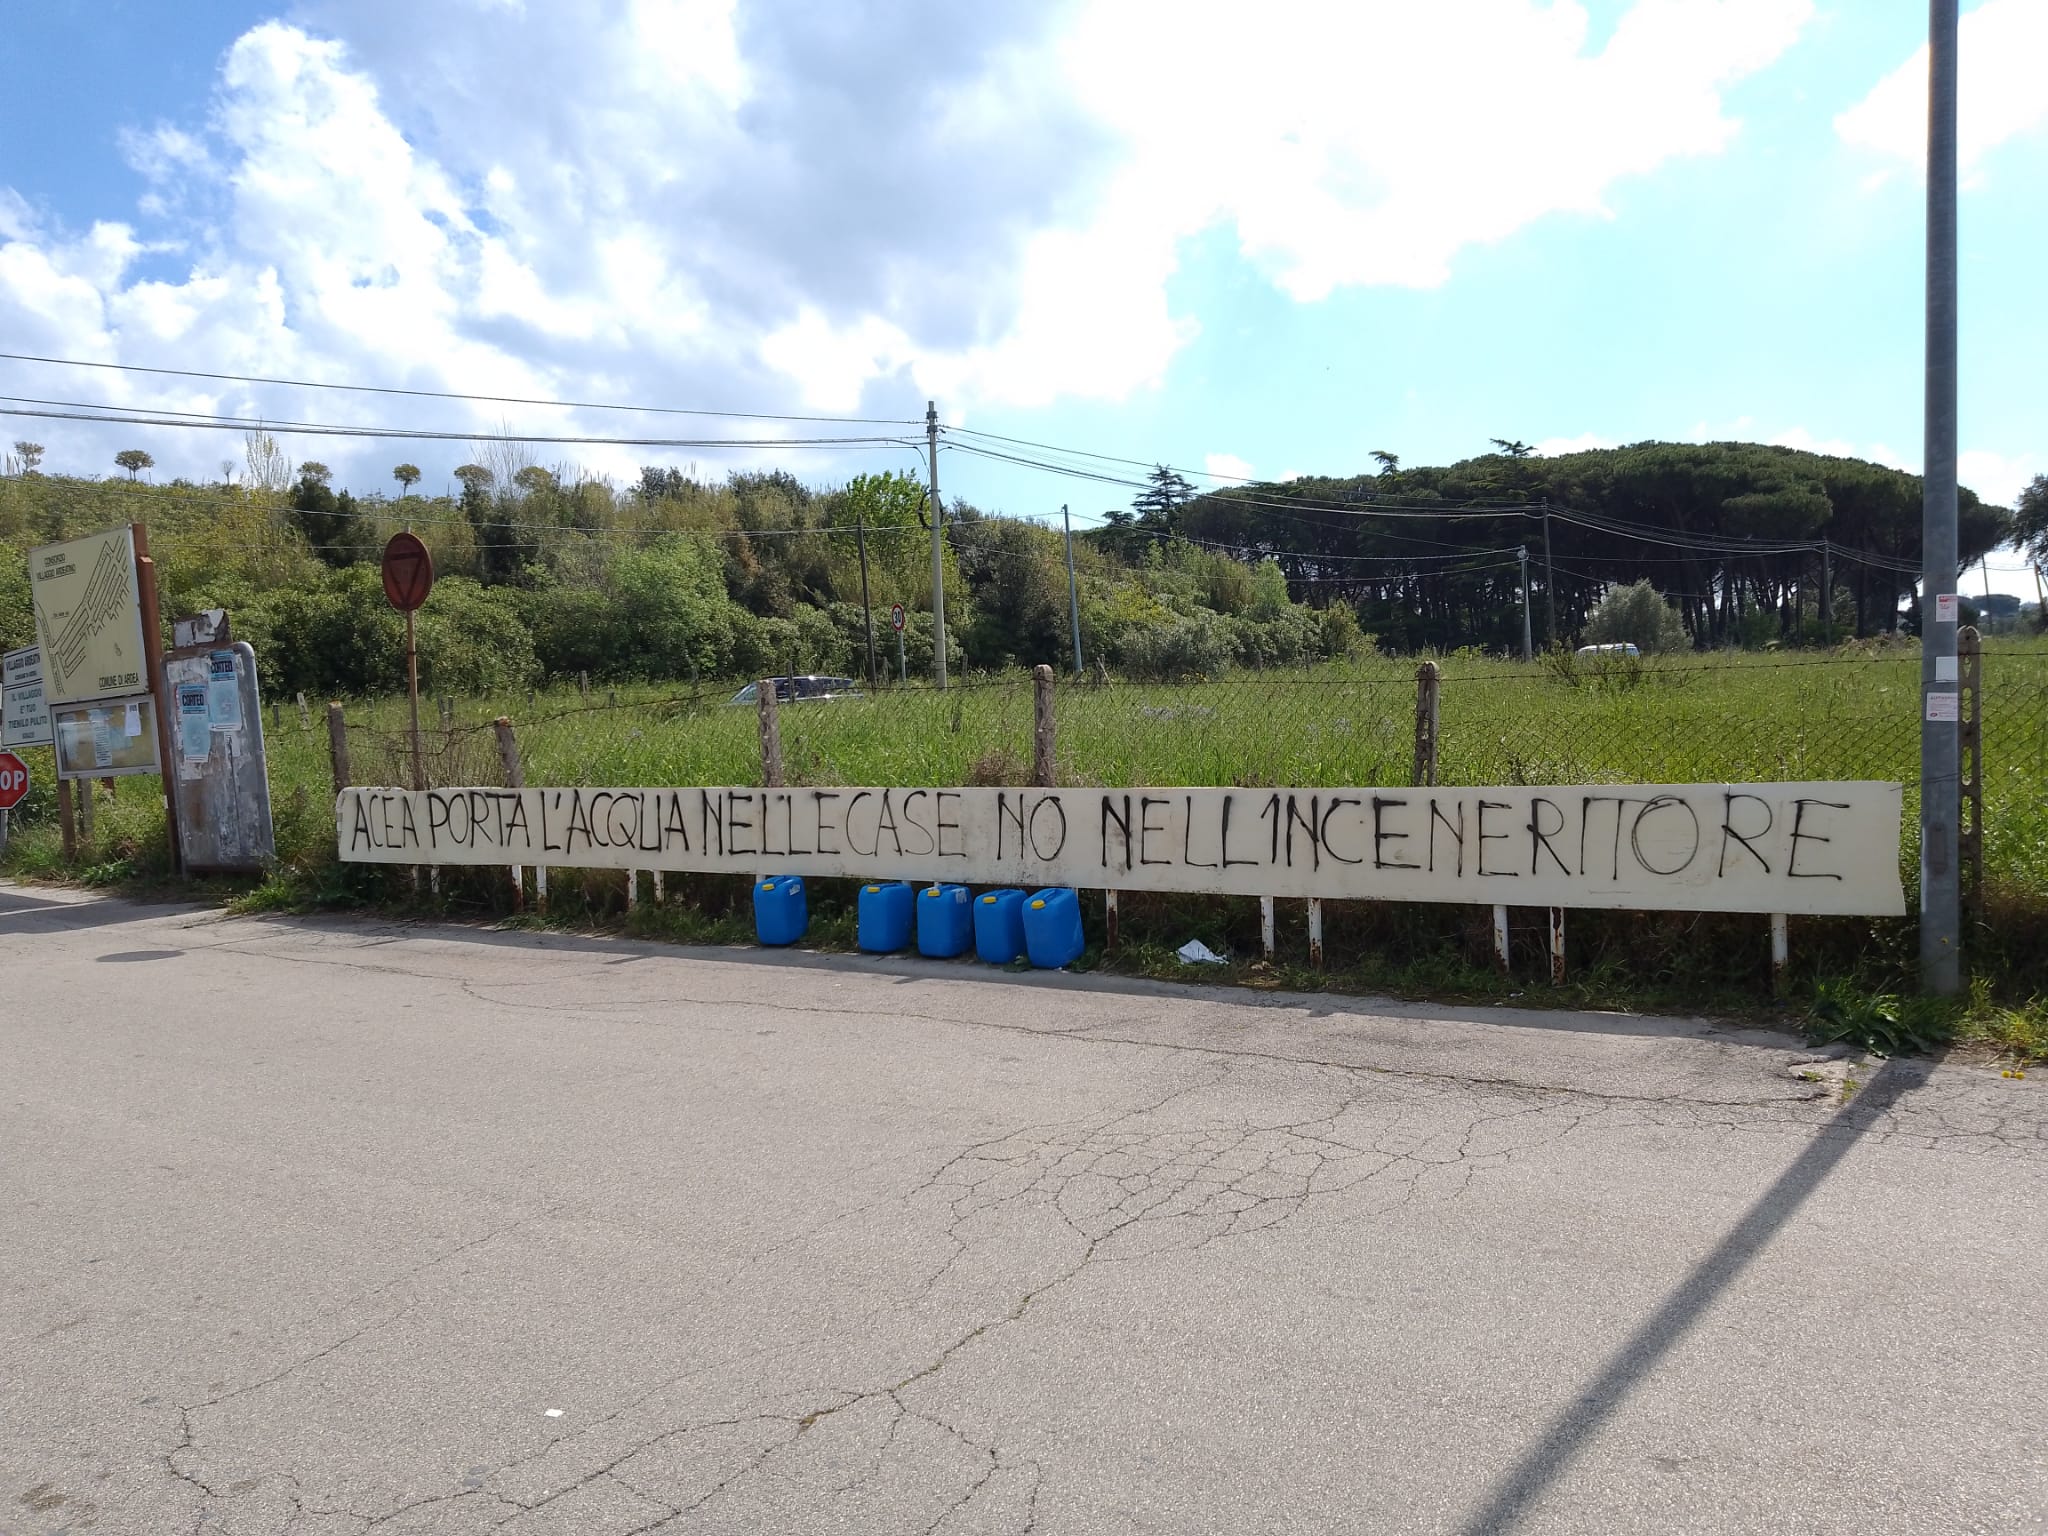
[1248,241]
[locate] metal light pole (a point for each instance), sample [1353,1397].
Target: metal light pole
[1073,589]
[931,441]
[1940,756]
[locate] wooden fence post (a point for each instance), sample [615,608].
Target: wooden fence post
[337,747]
[305,714]
[771,735]
[1043,770]
[1970,701]
[515,778]
[1428,686]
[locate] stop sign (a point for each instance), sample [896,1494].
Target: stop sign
[13,781]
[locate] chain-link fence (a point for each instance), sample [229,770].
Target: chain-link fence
[1566,721]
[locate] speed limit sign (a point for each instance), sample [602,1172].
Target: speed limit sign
[896,618]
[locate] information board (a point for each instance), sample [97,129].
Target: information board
[88,617]
[24,712]
[106,739]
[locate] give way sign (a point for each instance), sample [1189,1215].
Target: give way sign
[13,781]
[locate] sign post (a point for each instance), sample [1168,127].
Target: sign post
[896,623]
[408,578]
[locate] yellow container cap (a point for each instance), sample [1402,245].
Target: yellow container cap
[1036,905]
[767,885]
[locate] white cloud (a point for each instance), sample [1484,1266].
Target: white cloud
[2000,46]
[1226,466]
[691,203]
[1997,478]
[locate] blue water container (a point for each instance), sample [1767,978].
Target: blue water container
[999,926]
[781,911]
[1052,928]
[885,917]
[945,921]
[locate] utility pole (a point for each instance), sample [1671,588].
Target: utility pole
[860,537]
[1073,588]
[1549,584]
[1528,646]
[1827,590]
[1940,746]
[931,443]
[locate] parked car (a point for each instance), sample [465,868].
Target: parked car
[1612,648]
[800,690]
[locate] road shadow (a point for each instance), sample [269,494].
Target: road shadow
[27,915]
[907,968]
[1523,1484]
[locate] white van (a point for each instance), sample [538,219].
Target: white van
[1613,648]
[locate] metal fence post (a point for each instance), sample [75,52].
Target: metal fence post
[515,778]
[1042,740]
[771,735]
[1970,709]
[67,821]
[1428,688]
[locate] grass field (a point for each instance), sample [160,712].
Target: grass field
[1713,718]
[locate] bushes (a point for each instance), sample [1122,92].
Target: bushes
[1637,614]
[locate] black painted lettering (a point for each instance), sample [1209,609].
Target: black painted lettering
[1272,814]
[1381,836]
[1123,827]
[1229,801]
[359,832]
[1486,836]
[1147,831]
[1540,836]
[910,820]
[1729,834]
[1652,807]
[1329,818]
[1799,834]
[1005,816]
[789,825]
[958,851]
[735,823]
[408,828]
[1059,829]
[822,825]
[1312,825]
[1436,818]
[1187,833]
[886,822]
[874,848]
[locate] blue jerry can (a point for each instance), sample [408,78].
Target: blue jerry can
[885,917]
[945,921]
[781,911]
[999,926]
[1052,928]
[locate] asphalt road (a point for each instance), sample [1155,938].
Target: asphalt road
[325,1226]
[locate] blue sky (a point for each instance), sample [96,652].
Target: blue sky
[1252,243]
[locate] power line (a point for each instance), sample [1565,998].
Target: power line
[444,394]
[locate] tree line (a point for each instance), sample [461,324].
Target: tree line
[547,573]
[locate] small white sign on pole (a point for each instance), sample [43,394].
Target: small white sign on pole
[24,712]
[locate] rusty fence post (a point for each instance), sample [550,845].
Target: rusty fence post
[1043,771]
[1970,701]
[1428,688]
[771,735]
[337,747]
[1781,952]
[515,778]
[1500,939]
[1557,946]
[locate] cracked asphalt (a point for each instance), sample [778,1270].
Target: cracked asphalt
[331,1226]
